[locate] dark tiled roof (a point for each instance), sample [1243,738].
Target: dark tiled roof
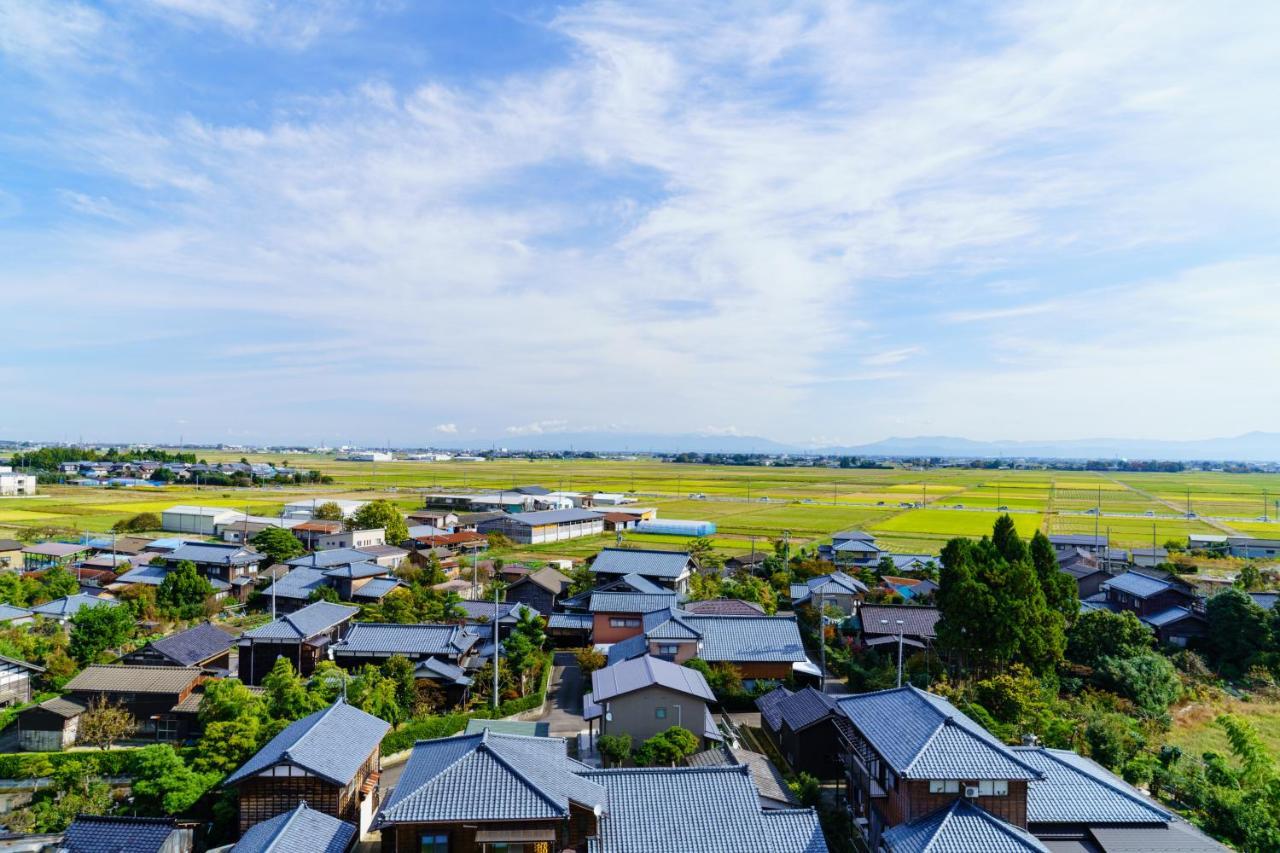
[668,565]
[488,776]
[724,607]
[211,553]
[190,647]
[923,736]
[354,571]
[960,828]
[102,834]
[570,621]
[1140,585]
[302,830]
[330,558]
[332,744]
[1076,790]
[66,708]
[803,708]
[703,809]
[630,602]
[770,706]
[917,621]
[70,605]
[298,584]
[313,619]
[389,639]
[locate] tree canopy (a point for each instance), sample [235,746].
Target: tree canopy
[380,513]
[278,544]
[184,591]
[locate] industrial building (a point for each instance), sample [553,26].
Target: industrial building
[203,520]
[533,528]
[12,483]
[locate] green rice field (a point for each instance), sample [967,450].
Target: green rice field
[909,510]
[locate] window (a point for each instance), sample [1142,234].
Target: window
[669,649]
[167,729]
[435,844]
[616,622]
[993,787]
[659,713]
[944,786]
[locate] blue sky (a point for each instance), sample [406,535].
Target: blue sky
[431,222]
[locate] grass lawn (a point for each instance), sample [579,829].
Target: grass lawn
[1195,732]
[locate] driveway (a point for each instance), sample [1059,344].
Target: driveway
[564,710]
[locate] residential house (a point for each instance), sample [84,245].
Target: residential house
[15,680]
[909,589]
[297,830]
[616,522]
[1085,570]
[303,637]
[839,590]
[63,609]
[1065,543]
[618,615]
[312,531]
[241,530]
[804,726]
[752,563]
[48,555]
[15,483]
[10,615]
[644,696]
[154,695]
[490,792]
[117,834]
[540,590]
[760,647]
[670,569]
[908,563]
[881,623]
[353,539]
[387,556]
[441,653]
[331,760]
[1167,605]
[851,548]
[443,519]
[236,565]
[205,646]
[10,554]
[552,525]
[770,784]
[1253,548]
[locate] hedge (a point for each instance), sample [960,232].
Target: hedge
[427,728]
[114,762]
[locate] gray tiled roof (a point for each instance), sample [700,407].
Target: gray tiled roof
[747,638]
[378,638]
[770,705]
[302,830]
[626,677]
[298,584]
[923,736]
[198,552]
[357,570]
[315,618]
[857,546]
[570,621]
[150,575]
[483,610]
[631,647]
[668,565]
[1139,585]
[438,670]
[103,834]
[836,583]
[190,647]
[960,828]
[802,708]
[1076,790]
[917,621]
[332,744]
[630,602]
[489,776]
[70,605]
[376,588]
[8,612]
[330,558]
[1265,600]
[1169,616]
[703,809]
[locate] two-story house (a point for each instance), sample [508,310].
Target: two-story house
[441,654]
[644,696]
[839,590]
[206,646]
[851,548]
[331,760]
[804,726]
[303,637]
[541,590]
[669,569]
[1165,604]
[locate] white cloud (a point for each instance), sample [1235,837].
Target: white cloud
[769,165]
[447,429]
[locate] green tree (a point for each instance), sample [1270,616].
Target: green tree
[384,514]
[141,522]
[184,591]
[163,784]
[399,670]
[590,659]
[278,544]
[96,629]
[1099,634]
[807,789]
[1113,739]
[703,551]
[1148,679]
[581,579]
[374,693]
[54,583]
[668,748]
[324,593]
[1249,578]
[523,646]
[1004,535]
[1059,588]
[615,749]
[1238,630]
[287,697]
[328,511]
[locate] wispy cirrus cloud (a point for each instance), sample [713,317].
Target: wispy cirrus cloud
[675,214]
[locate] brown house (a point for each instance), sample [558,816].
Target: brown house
[804,726]
[157,696]
[303,637]
[330,759]
[206,646]
[645,696]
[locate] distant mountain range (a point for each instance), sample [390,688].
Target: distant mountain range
[1250,447]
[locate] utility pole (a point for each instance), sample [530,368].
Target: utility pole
[497,648]
[822,643]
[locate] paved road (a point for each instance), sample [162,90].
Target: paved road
[564,710]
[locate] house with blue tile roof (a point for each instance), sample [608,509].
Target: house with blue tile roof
[304,637]
[299,830]
[488,791]
[331,760]
[669,569]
